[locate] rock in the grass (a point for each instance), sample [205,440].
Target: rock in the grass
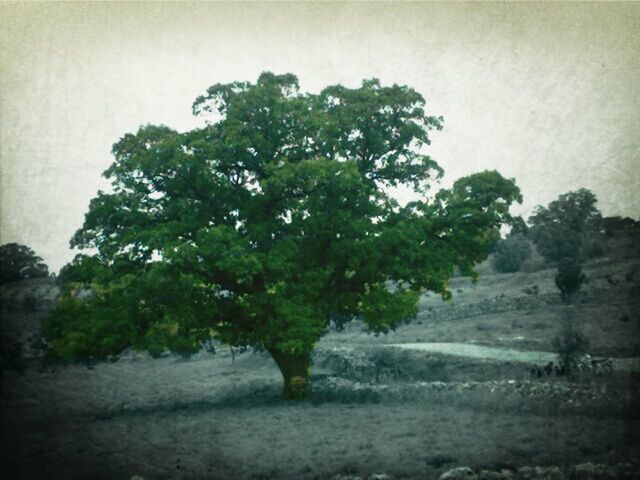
[490,475]
[460,473]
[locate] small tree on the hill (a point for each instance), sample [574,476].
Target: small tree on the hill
[272,222]
[19,262]
[560,231]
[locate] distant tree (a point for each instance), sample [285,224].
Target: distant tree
[272,222]
[511,252]
[19,262]
[612,225]
[565,234]
[560,229]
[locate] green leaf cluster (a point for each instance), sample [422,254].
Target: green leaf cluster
[271,221]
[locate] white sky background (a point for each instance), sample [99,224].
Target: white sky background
[546,93]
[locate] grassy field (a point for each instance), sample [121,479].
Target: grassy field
[209,418]
[373,408]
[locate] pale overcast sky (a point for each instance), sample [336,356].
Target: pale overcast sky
[546,93]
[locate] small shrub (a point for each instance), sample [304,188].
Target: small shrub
[569,279]
[570,343]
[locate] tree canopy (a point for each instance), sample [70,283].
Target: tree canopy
[272,221]
[560,231]
[19,262]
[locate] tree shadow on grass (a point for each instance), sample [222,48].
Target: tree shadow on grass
[244,396]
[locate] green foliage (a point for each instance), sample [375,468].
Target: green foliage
[613,225]
[82,269]
[565,234]
[560,229]
[270,222]
[19,262]
[570,343]
[593,247]
[569,279]
[519,227]
[511,253]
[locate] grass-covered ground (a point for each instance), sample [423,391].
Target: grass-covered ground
[373,408]
[209,418]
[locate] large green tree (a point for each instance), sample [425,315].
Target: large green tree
[271,222]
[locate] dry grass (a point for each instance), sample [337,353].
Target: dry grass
[217,420]
[206,418]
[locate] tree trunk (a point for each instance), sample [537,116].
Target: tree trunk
[295,369]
